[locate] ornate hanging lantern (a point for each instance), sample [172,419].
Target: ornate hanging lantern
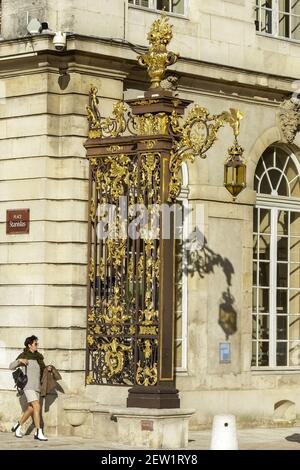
[235,166]
[235,171]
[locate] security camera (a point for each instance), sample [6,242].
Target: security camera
[60,41]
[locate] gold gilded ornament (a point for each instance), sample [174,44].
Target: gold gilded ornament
[158,58]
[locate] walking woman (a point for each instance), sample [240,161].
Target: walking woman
[32,364]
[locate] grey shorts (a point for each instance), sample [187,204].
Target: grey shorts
[32,395]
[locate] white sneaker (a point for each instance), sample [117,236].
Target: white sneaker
[18,432]
[40,436]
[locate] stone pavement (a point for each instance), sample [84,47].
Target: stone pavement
[249,439]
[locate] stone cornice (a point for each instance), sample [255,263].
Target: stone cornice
[119,59]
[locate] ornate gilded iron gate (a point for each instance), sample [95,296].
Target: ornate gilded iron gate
[135,159]
[124,271]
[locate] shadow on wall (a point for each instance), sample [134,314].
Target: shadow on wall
[202,260]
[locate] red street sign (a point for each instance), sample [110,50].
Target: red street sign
[17,221]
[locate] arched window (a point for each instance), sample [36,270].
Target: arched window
[181,276]
[276,260]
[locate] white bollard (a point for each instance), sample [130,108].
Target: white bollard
[224,435]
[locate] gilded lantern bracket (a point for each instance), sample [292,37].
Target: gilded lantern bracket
[196,135]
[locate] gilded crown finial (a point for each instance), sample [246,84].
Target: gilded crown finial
[158,58]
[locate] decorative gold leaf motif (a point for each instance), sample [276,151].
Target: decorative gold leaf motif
[144,102]
[90,340]
[92,270]
[104,127]
[92,211]
[114,356]
[148,330]
[146,376]
[149,143]
[113,148]
[89,379]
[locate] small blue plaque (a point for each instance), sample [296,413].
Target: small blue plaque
[224,353]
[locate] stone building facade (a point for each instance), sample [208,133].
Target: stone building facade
[231,56]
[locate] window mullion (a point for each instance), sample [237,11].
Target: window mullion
[260,16]
[288,286]
[275,18]
[257,282]
[186,225]
[273,285]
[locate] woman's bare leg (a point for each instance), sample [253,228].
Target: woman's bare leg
[36,413]
[27,413]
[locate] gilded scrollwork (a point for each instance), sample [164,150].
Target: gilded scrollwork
[92,270]
[148,330]
[99,126]
[115,310]
[114,356]
[146,375]
[92,211]
[194,137]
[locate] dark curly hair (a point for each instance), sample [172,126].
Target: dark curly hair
[28,341]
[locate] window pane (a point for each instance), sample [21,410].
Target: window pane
[282,327]
[255,220]
[284,5]
[294,302]
[265,221]
[254,279]
[295,276]
[163,5]
[254,300]
[177,6]
[295,250]
[254,326]
[295,27]
[281,354]
[265,187]
[294,327]
[266,19]
[282,301]
[263,300]
[263,327]
[178,353]
[253,361]
[263,353]
[282,275]
[294,353]
[282,248]
[284,25]
[264,247]
[295,4]
[255,247]
[283,223]
[178,325]
[264,274]
[295,224]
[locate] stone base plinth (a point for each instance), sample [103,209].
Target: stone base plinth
[144,427]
